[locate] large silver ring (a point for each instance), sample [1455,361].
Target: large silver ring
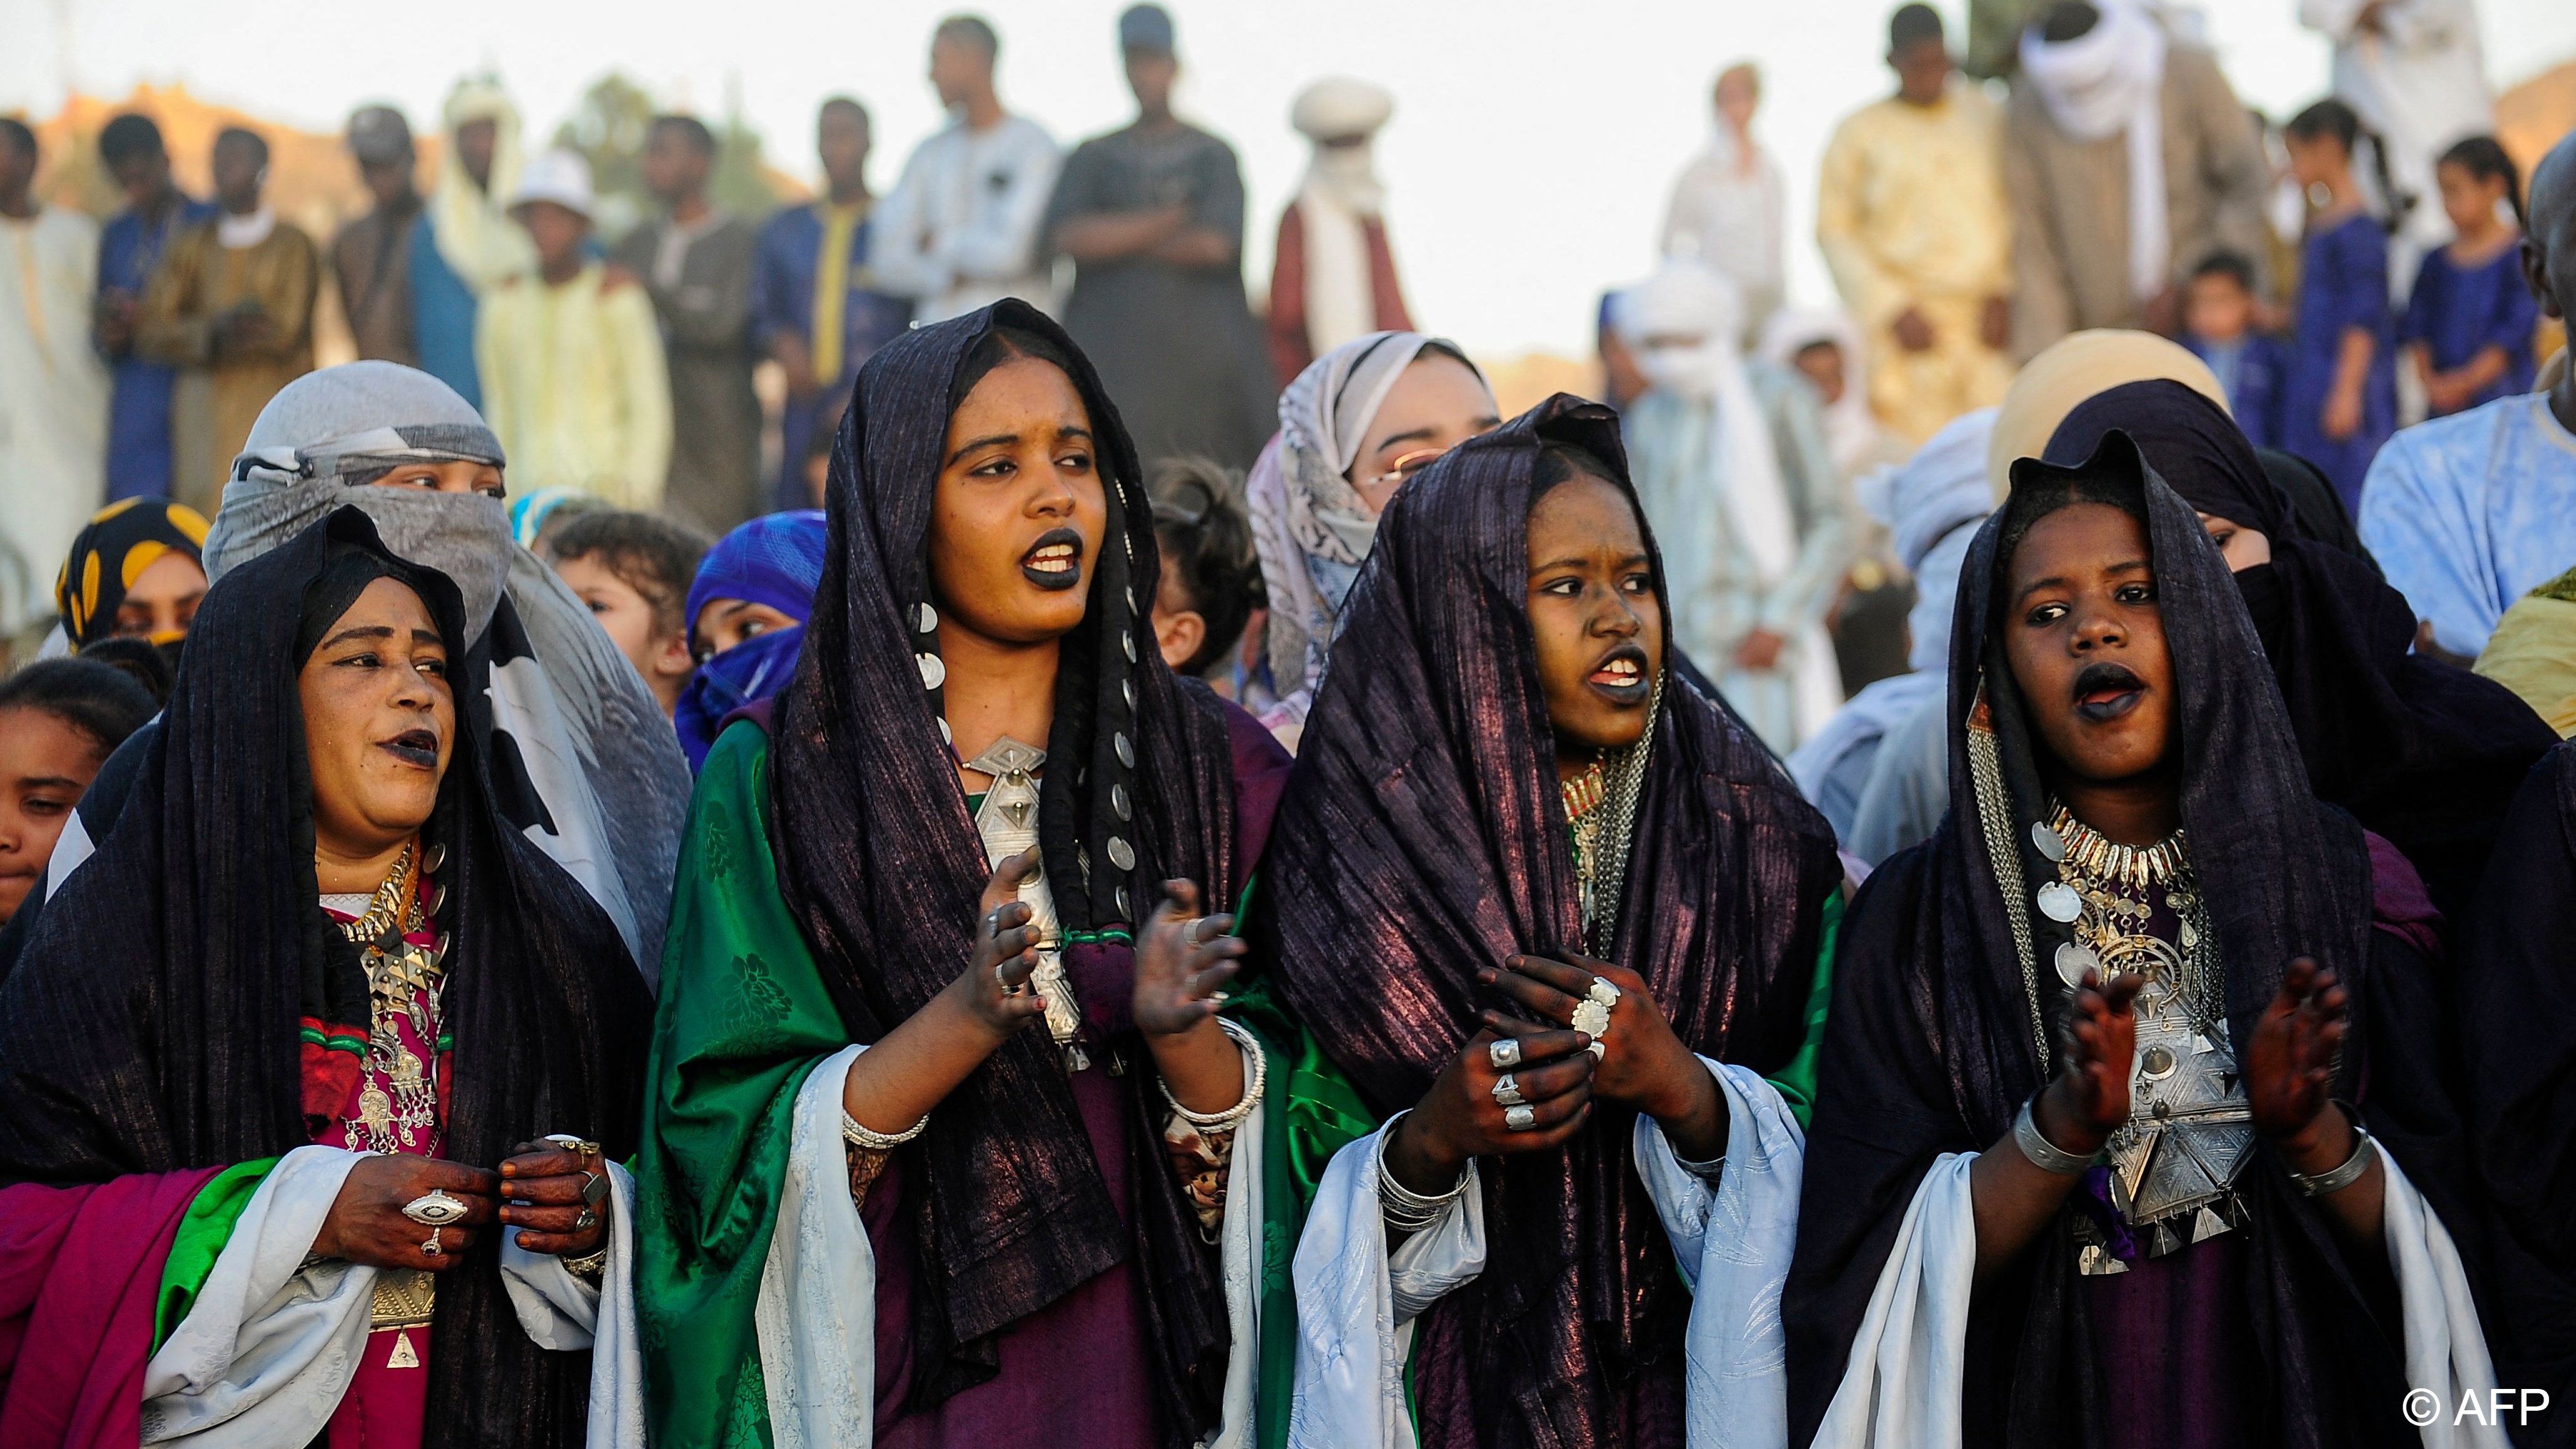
[1004,981]
[1508,1091]
[434,1209]
[586,1221]
[577,1145]
[431,1249]
[1592,1014]
[1519,1119]
[1504,1054]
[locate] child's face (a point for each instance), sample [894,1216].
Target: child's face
[2315,160]
[624,612]
[2217,309]
[2468,199]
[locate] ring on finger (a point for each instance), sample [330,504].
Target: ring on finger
[1519,1119]
[589,1219]
[1504,1054]
[431,1249]
[1592,1015]
[1507,1091]
[434,1208]
[1001,978]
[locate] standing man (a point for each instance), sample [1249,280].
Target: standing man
[1152,216]
[480,246]
[53,393]
[961,229]
[696,261]
[2414,71]
[573,380]
[817,304]
[1911,216]
[1332,274]
[1730,208]
[234,296]
[387,262]
[2129,161]
[129,250]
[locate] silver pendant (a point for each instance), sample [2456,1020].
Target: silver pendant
[1120,854]
[2073,960]
[2047,840]
[2059,902]
[934,672]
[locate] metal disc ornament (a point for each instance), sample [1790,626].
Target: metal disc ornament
[2059,902]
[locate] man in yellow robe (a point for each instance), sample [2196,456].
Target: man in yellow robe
[1912,218]
[574,382]
[233,297]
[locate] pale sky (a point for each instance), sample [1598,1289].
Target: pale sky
[1527,164]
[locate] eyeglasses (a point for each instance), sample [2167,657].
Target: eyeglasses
[1404,467]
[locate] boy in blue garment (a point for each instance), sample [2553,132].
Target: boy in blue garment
[2218,326]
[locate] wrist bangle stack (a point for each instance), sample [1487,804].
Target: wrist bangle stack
[2364,1152]
[2045,1155]
[1407,1211]
[875,1141]
[1232,1117]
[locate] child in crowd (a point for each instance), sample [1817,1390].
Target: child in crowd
[746,615]
[2342,398]
[633,570]
[59,721]
[2468,325]
[2219,327]
[1211,584]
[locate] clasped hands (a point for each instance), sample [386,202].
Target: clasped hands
[542,1189]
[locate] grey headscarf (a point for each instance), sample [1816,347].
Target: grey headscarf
[1310,525]
[604,783]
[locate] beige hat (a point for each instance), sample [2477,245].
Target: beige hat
[2073,368]
[559,176]
[1338,108]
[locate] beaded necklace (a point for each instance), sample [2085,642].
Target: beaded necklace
[405,983]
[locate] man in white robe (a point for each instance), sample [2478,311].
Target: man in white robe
[53,391]
[1729,208]
[960,230]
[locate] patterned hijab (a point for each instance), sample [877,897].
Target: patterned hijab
[1311,527]
[121,541]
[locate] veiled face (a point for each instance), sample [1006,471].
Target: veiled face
[1015,531]
[2086,641]
[1593,614]
[379,721]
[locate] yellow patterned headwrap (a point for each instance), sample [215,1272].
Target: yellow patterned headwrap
[121,541]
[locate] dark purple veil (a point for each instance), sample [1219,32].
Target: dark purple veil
[1944,1009]
[1424,838]
[2425,753]
[881,865]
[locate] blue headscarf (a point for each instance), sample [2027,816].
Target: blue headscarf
[775,560]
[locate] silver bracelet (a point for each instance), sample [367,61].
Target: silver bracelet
[1233,1116]
[586,1266]
[2364,1151]
[875,1141]
[1704,1171]
[2045,1155]
[1405,1210]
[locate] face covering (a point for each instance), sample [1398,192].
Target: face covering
[749,672]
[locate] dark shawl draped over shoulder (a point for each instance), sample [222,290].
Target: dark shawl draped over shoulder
[1936,1032]
[1424,838]
[2424,753]
[153,1023]
[2517,995]
[882,867]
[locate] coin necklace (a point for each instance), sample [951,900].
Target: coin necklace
[1583,796]
[406,984]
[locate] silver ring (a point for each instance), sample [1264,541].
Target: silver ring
[434,1208]
[1004,981]
[1504,1054]
[1508,1091]
[1194,936]
[1519,1119]
[431,1249]
[586,1221]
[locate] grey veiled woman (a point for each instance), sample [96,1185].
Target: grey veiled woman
[584,760]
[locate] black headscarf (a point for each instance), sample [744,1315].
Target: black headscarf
[1944,1005]
[1424,838]
[881,865]
[153,1022]
[2424,753]
[2516,998]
